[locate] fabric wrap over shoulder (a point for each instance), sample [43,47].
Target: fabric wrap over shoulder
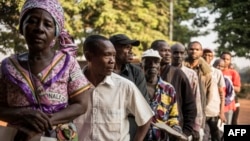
[11,62]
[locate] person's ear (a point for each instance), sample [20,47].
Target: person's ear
[88,56]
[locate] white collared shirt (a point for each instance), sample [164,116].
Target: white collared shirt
[110,103]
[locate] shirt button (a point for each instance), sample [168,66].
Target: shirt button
[40,75]
[94,110]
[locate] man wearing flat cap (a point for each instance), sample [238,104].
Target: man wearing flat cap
[162,96]
[124,55]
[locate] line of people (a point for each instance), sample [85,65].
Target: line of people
[110,98]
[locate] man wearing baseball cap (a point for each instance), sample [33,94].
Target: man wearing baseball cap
[160,93]
[124,55]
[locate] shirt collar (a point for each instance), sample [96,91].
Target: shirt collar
[125,69]
[108,80]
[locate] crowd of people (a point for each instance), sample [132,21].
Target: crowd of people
[110,98]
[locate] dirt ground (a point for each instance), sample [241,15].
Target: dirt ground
[244,117]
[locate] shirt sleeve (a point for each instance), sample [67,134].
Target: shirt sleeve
[138,106]
[78,83]
[236,79]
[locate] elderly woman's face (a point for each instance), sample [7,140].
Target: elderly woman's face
[38,29]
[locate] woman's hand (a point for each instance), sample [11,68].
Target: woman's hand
[29,133]
[35,119]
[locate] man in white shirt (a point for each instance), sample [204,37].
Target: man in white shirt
[112,98]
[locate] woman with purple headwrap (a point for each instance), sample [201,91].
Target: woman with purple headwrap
[43,87]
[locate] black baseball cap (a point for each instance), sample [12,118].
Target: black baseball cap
[122,39]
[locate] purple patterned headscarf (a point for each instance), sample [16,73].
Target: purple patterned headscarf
[55,9]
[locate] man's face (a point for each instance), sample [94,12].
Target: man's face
[165,52]
[124,53]
[178,54]
[151,66]
[221,65]
[208,56]
[194,51]
[103,63]
[227,59]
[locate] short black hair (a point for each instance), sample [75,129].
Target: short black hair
[155,44]
[216,62]
[92,42]
[226,52]
[194,42]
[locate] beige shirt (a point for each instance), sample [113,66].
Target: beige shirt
[110,103]
[213,101]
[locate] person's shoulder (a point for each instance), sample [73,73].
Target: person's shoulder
[22,57]
[177,71]
[217,70]
[135,67]
[120,80]
[204,66]
[165,83]
[190,73]
[188,70]
[136,70]
[166,86]
[66,57]
[234,71]
[62,53]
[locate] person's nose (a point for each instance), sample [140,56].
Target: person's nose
[179,55]
[40,27]
[130,49]
[112,60]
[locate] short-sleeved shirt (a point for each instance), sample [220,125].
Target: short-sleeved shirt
[233,75]
[235,78]
[136,75]
[214,100]
[54,85]
[109,105]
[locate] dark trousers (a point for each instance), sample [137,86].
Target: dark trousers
[211,129]
[236,113]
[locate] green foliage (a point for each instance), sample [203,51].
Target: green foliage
[233,26]
[145,20]
[9,34]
